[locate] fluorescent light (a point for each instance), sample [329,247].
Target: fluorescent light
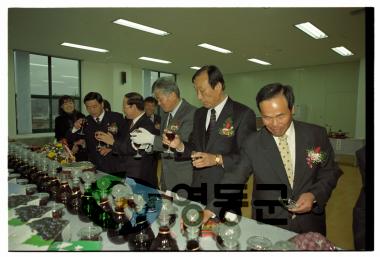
[215,48]
[154,60]
[38,64]
[311,30]
[68,76]
[140,27]
[259,61]
[90,48]
[195,67]
[54,81]
[342,51]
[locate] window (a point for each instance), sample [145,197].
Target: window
[40,80]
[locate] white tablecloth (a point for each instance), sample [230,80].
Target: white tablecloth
[248,227]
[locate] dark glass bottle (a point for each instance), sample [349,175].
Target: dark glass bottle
[193,245]
[54,185]
[164,241]
[88,205]
[64,192]
[119,234]
[74,201]
[104,217]
[142,235]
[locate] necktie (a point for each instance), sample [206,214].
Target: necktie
[97,120]
[169,119]
[283,147]
[211,125]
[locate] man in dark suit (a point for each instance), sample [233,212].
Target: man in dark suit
[359,211]
[143,168]
[98,120]
[219,130]
[150,106]
[176,111]
[289,159]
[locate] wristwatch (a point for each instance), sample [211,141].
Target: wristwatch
[218,159]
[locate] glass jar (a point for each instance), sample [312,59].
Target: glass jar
[164,241]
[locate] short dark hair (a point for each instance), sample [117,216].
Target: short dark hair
[215,76]
[150,99]
[135,99]
[107,105]
[62,100]
[271,90]
[93,96]
[166,85]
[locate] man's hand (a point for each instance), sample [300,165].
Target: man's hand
[78,123]
[104,150]
[207,214]
[142,137]
[176,143]
[105,137]
[201,160]
[304,203]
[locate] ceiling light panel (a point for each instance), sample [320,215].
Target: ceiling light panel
[259,61]
[215,48]
[311,30]
[154,60]
[89,48]
[342,51]
[141,27]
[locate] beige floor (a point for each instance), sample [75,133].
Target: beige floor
[339,207]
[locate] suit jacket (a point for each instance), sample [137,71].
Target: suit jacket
[64,123]
[173,172]
[359,212]
[108,163]
[243,122]
[144,170]
[156,120]
[261,156]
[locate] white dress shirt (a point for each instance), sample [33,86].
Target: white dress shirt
[218,109]
[174,111]
[101,116]
[137,118]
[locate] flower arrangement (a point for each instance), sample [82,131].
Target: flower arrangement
[58,152]
[228,128]
[315,156]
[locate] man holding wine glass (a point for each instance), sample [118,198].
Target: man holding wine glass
[96,121]
[177,119]
[219,129]
[134,161]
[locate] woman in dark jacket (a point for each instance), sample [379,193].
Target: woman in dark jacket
[65,121]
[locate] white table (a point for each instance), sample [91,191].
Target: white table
[248,227]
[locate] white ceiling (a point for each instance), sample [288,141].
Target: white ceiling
[264,33]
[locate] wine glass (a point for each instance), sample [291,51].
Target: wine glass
[99,145]
[258,243]
[170,133]
[287,203]
[137,155]
[83,123]
[112,128]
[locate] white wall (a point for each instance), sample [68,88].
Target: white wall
[360,107]
[333,94]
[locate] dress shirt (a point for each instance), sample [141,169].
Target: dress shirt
[218,109]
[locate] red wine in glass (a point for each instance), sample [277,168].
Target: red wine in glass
[170,135]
